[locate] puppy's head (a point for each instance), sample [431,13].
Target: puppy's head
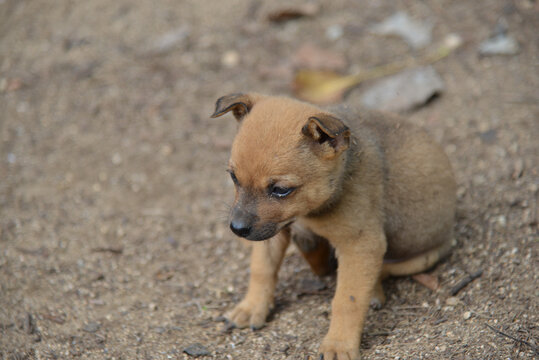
[287,160]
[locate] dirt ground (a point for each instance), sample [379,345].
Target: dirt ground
[114,242]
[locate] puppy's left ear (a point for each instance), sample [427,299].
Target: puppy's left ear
[329,132]
[239,104]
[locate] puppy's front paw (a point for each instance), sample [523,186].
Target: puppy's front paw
[249,313]
[333,349]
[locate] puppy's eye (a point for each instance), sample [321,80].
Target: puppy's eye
[233,177]
[280,192]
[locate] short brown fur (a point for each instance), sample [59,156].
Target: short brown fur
[375,187]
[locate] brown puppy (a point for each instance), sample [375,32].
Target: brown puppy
[376,189]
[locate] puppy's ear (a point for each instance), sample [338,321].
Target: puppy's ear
[239,104]
[329,132]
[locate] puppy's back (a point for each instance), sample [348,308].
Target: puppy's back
[419,185]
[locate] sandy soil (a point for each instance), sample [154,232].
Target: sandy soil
[113,195]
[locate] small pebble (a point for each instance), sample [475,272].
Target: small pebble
[452,41]
[116,159]
[416,34]
[441,348]
[467,315]
[11,158]
[159,329]
[230,59]
[406,90]
[166,42]
[334,32]
[452,301]
[91,327]
[489,136]
[172,242]
[120,232]
[166,150]
[196,350]
[499,45]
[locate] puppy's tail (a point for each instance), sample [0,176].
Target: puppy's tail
[418,263]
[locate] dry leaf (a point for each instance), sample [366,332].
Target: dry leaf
[326,87]
[14,84]
[321,86]
[8,85]
[284,15]
[427,280]
[310,56]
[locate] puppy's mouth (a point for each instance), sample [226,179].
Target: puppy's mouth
[268,230]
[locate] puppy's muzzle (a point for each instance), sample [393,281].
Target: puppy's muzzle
[240,228]
[242,222]
[248,225]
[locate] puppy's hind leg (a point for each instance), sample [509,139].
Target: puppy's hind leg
[315,249]
[411,266]
[378,298]
[418,263]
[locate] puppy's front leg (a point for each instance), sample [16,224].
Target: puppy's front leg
[360,263]
[266,259]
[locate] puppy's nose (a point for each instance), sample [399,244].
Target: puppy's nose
[239,228]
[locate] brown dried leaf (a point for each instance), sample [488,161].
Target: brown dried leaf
[283,15]
[427,280]
[310,56]
[14,84]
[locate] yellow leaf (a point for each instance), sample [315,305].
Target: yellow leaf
[322,87]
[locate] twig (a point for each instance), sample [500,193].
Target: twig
[533,347]
[114,250]
[464,282]
[42,251]
[382,333]
[54,318]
